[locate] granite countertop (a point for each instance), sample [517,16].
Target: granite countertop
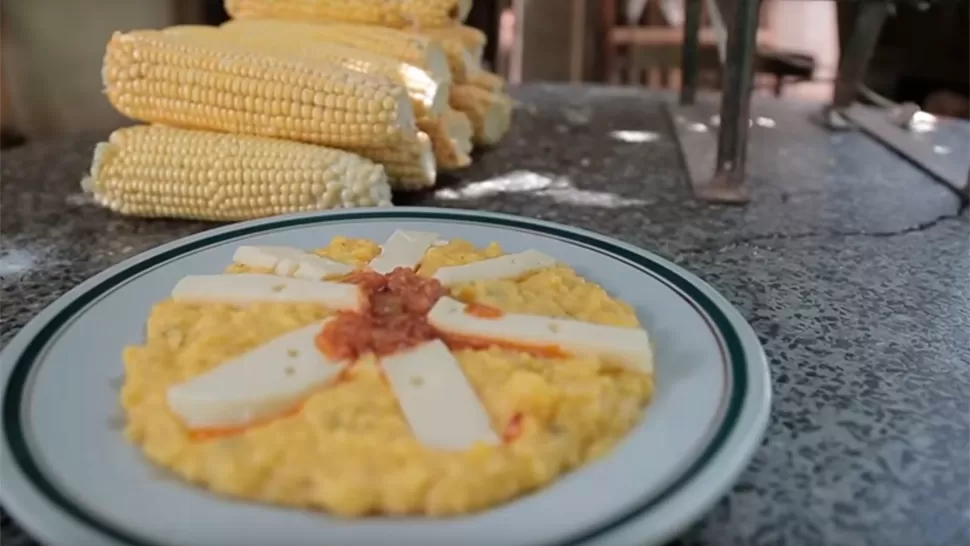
[852,266]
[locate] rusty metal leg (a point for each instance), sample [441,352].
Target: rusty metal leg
[690,51]
[732,143]
[858,52]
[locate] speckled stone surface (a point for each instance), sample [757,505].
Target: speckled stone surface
[852,266]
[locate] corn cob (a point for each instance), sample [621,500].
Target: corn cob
[472,39]
[158,171]
[409,165]
[184,81]
[451,138]
[489,112]
[404,46]
[409,160]
[488,81]
[388,13]
[429,97]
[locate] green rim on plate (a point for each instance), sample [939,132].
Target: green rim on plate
[12,422]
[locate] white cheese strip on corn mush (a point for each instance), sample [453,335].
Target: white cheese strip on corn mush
[503,267]
[254,288]
[439,403]
[629,347]
[289,261]
[403,249]
[259,384]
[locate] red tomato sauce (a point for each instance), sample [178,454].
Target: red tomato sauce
[394,316]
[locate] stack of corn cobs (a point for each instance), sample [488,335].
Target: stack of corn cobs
[293,106]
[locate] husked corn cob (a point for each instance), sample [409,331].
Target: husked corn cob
[414,49]
[183,80]
[488,81]
[410,165]
[389,13]
[428,96]
[158,171]
[471,38]
[489,112]
[451,139]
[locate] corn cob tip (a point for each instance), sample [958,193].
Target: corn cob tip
[410,165]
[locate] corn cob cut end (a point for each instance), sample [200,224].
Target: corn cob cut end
[428,165]
[422,171]
[471,38]
[495,123]
[158,171]
[464,8]
[451,138]
[429,97]
[438,102]
[436,63]
[460,130]
[470,65]
[489,112]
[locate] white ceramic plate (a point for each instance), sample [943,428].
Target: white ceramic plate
[71,479]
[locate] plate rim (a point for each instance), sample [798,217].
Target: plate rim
[746,361]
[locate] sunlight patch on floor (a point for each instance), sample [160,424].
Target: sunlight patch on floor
[555,188]
[635,137]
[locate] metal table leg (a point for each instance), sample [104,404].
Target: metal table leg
[858,52]
[690,52]
[728,185]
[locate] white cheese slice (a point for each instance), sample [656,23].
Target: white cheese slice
[439,403]
[403,249]
[503,267]
[252,288]
[288,261]
[264,257]
[257,385]
[627,346]
[311,266]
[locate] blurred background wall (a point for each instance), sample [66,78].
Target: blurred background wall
[51,50]
[51,60]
